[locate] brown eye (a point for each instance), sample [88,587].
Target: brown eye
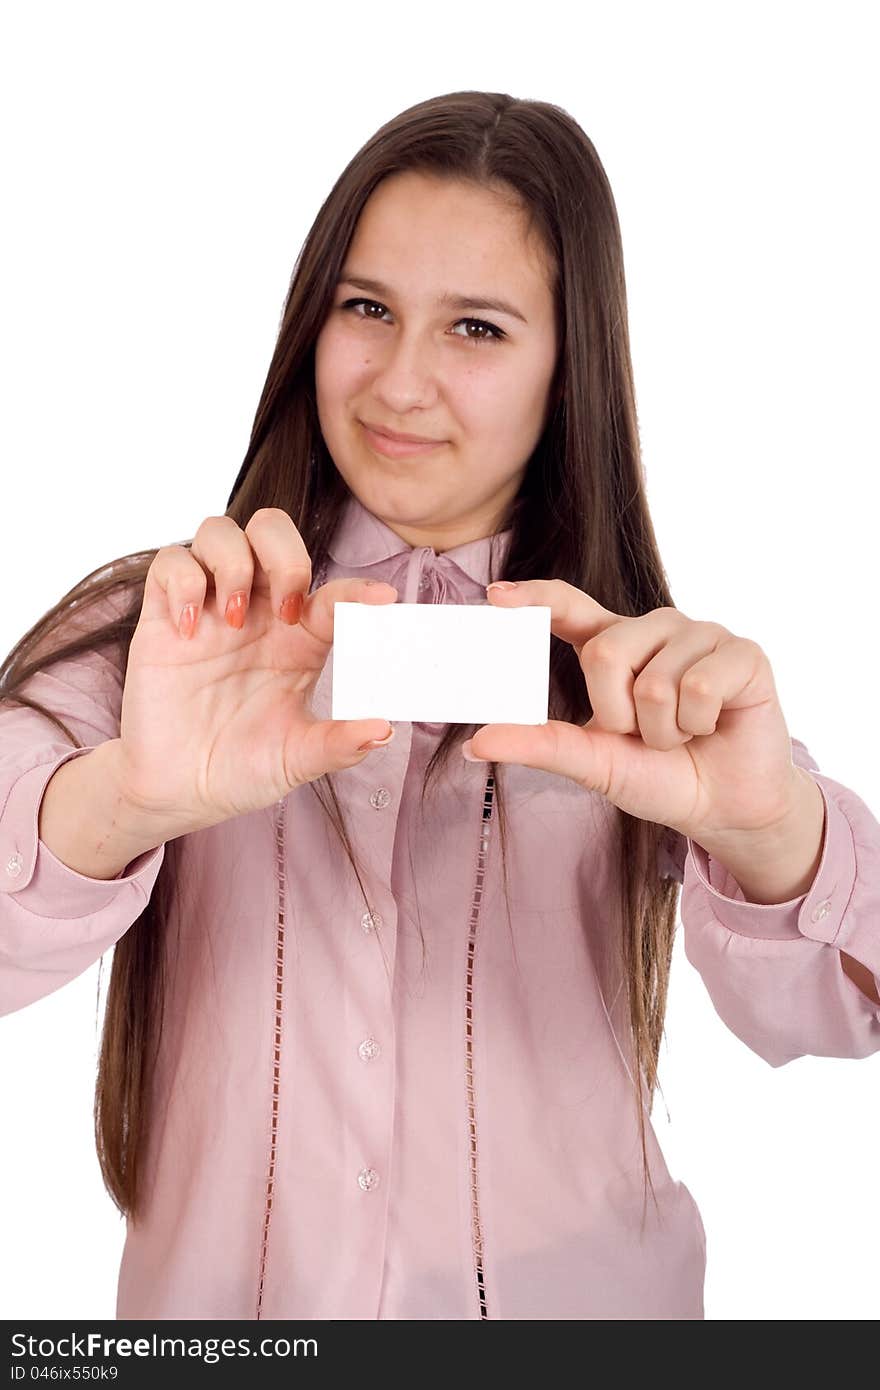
[492,332]
[497,333]
[354,303]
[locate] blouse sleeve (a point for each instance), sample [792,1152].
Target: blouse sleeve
[54,921]
[773,970]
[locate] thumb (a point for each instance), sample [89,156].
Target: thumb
[349,741]
[580,751]
[329,745]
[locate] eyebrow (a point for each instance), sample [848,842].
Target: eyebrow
[454,301]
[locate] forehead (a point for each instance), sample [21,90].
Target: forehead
[422,232]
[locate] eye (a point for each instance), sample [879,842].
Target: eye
[497,334]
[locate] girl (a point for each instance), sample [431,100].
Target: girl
[382,1030]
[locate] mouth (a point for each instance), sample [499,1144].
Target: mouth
[395,447]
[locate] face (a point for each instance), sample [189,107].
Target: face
[400,353]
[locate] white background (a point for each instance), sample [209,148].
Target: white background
[162,166]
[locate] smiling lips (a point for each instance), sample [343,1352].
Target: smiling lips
[396,447]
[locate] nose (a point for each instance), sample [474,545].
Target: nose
[405,376]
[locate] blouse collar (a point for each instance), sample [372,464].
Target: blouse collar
[362,539]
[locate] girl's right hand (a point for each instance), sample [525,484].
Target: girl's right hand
[218,724]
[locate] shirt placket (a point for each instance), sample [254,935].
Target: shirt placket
[367,1026]
[374,808]
[362,1040]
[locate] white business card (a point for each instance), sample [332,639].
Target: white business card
[441,663]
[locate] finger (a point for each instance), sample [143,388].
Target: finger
[737,675]
[612,661]
[574,616]
[283,566]
[663,718]
[569,750]
[316,621]
[328,745]
[350,741]
[174,581]
[224,553]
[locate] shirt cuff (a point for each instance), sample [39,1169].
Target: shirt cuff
[816,914]
[41,882]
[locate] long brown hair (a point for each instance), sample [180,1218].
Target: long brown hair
[581,515]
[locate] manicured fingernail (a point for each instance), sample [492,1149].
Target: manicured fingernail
[468,755]
[377,742]
[188,620]
[236,609]
[502,584]
[291,608]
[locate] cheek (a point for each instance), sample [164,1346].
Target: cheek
[339,363]
[495,402]
[522,403]
[485,394]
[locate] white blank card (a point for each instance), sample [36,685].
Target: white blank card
[441,663]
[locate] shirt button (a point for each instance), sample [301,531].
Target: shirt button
[820,910]
[370,921]
[367,1179]
[13,865]
[380,798]
[369,1049]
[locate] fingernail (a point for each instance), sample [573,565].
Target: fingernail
[236,609]
[502,584]
[188,620]
[291,608]
[468,755]
[377,742]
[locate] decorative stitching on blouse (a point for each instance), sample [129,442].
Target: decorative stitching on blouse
[476,1227]
[276,1064]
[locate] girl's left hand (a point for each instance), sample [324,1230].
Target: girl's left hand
[686,729]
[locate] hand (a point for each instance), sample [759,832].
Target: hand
[218,723]
[686,728]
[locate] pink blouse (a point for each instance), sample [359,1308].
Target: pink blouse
[421,1107]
